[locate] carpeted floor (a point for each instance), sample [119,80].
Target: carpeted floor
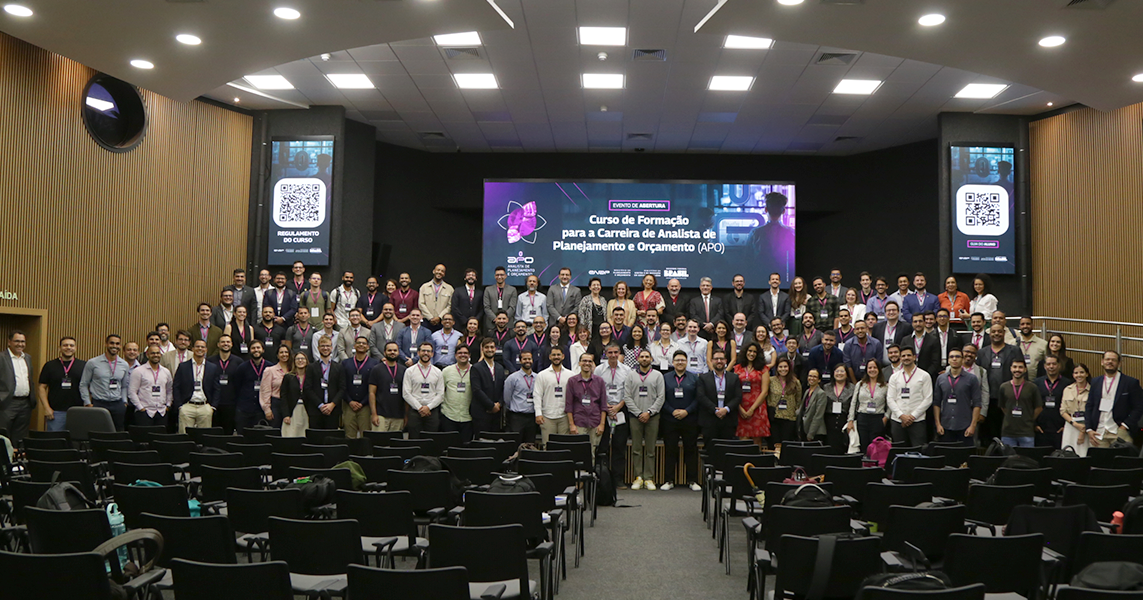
[655,545]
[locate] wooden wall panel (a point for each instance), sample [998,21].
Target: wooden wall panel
[111,242]
[1087,218]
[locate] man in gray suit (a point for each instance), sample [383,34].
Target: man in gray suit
[563,299]
[243,294]
[499,297]
[16,400]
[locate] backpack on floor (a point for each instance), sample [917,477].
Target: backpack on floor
[1133,516]
[807,495]
[317,490]
[511,484]
[423,463]
[1110,575]
[917,581]
[878,451]
[893,471]
[1065,452]
[999,448]
[62,495]
[1013,462]
[605,492]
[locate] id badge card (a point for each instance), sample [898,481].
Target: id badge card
[996,364]
[528,397]
[835,408]
[198,386]
[305,347]
[403,308]
[223,379]
[904,393]
[824,314]
[269,343]
[460,387]
[243,348]
[325,385]
[357,379]
[558,391]
[827,376]
[257,386]
[722,399]
[870,407]
[585,401]
[412,350]
[782,405]
[113,385]
[693,361]
[841,346]
[951,399]
[1017,411]
[500,303]
[499,352]
[745,387]
[613,393]
[1050,402]
[348,306]
[425,389]
[642,391]
[678,392]
[517,359]
[1079,418]
[393,388]
[444,350]
[156,391]
[1027,358]
[664,365]
[65,384]
[369,312]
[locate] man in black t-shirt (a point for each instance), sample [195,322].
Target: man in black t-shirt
[386,403]
[59,386]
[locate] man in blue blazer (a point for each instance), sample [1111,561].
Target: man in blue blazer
[1114,405]
[920,301]
[195,389]
[412,337]
[283,300]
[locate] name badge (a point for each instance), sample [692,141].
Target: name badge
[642,391]
[694,361]
[825,314]
[499,303]
[357,379]
[499,352]
[517,359]
[198,386]
[585,401]
[782,405]
[393,388]
[996,362]
[412,349]
[444,350]
[1049,402]
[1027,358]
[722,399]
[257,386]
[156,391]
[305,347]
[269,343]
[841,346]
[528,397]
[425,387]
[369,312]
[805,353]
[745,387]
[1017,411]
[243,348]
[460,387]
[65,384]
[403,308]
[612,391]
[348,306]
[870,407]
[1079,417]
[325,385]
[678,392]
[835,408]
[904,393]
[558,391]
[827,376]
[113,385]
[664,365]
[223,379]
[951,400]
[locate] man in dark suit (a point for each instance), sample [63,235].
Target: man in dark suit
[774,303]
[195,389]
[467,301]
[949,340]
[674,302]
[16,397]
[719,395]
[926,346]
[324,389]
[488,375]
[892,330]
[738,301]
[705,309]
[283,300]
[1114,405]
[221,315]
[563,299]
[243,294]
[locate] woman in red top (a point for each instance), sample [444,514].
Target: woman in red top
[647,299]
[956,302]
[753,422]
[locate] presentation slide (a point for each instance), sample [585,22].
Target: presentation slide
[623,230]
[301,192]
[984,208]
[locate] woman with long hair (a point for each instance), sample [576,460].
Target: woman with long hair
[636,342]
[471,338]
[1058,349]
[753,372]
[722,341]
[984,302]
[782,403]
[270,388]
[599,345]
[296,421]
[555,340]
[798,298]
[241,333]
[648,299]
[867,411]
[592,308]
[839,399]
[571,328]
[623,300]
[663,349]
[1072,405]
[853,305]
[811,412]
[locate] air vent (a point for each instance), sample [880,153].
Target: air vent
[649,54]
[432,135]
[463,53]
[847,138]
[836,58]
[639,137]
[1089,4]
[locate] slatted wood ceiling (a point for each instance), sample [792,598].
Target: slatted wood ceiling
[1087,215]
[114,242]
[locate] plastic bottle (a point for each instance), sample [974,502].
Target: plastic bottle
[1117,522]
[115,518]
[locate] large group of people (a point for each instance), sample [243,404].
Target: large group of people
[843,365]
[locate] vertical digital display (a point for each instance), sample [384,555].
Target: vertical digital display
[301,193]
[984,209]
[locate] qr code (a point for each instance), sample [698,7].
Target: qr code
[299,202]
[982,209]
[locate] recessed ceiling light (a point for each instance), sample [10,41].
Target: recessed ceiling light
[350,81]
[603,36]
[236,99]
[475,81]
[286,13]
[17,10]
[98,104]
[730,83]
[139,63]
[468,38]
[1138,78]
[790,2]
[862,87]
[1052,41]
[981,91]
[269,82]
[1051,103]
[747,43]
[188,39]
[603,81]
[931,20]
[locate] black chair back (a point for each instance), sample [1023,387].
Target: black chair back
[198,460]
[401,453]
[880,496]
[160,473]
[64,531]
[77,576]
[428,489]
[280,464]
[424,446]
[1004,564]
[853,561]
[504,448]
[1036,453]
[1040,478]
[781,520]
[249,511]
[1074,470]
[928,529]
[381,514]
[800,455]
[220,441]
[441,440]
[331,455]
[482,509]
[368,583]
[982,467]
[381,438]
[1132,478]
[342,478]
[49,443]
[315,436]
[1100,547]
[955,454]
[287,445]
[205,539]
[1101,499]
[53,455]
[140,434]
[476,471]
[901,467]
[508,437]
[134,457]
[850,481]
[205,581]
[325,547]
[376,468]
[168,500]
[993,504]
[196,433]
[99,447]
[253,455]
[820,462]
[503,556]
[775,491]
[50,435]
[215,480]
[968,592]
[470,452]
[76,472]
[176,453]
[947,482]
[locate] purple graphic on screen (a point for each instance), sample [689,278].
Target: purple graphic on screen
[522,222]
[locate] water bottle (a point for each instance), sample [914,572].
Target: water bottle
[115,518]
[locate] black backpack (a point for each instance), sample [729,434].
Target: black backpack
[64,496]
[1110,575]
[605,493]
[917,581]
[807,495]
[1133,516]
[999,448]
[1014,462]
[423,463]
[1065,452]
[893,468]
[317,490]
[511,484]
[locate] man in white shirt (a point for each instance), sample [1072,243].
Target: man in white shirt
[614,375]
[694,347]
[909,399]
[550,397]
[344,299]
[16,400]
[263,287]
[328,321]
[423,389]
[164,331]
[902,290]
[150,390]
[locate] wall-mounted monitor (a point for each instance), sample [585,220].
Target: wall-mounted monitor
[984,209]
[301,194]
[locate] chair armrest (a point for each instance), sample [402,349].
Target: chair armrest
[847,500]
[764,559]
[436,514]
[494,592]
[143,582]
[544,548]
[385,544]
[374,487]
[917,556]
[213,507]
[975,524]
[975,481]
[1041,501]
[859,526]
[892,561]
[944,501]
[1051,556]
[456,514]
[556,514]
[751,524]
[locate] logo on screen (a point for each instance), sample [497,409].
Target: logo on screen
[982,209]
[521,222]
[675,272]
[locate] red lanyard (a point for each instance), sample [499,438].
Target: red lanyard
[67,369]
[1018,390]
[261,366]
[155,373]
[1106,388]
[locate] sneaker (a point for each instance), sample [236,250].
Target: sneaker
[638,484]
[649,485]
[666,486]
[696,487]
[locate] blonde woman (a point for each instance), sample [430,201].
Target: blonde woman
[623,300]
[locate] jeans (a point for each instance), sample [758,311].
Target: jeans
[913,435]
[1019,442]
[59,423]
